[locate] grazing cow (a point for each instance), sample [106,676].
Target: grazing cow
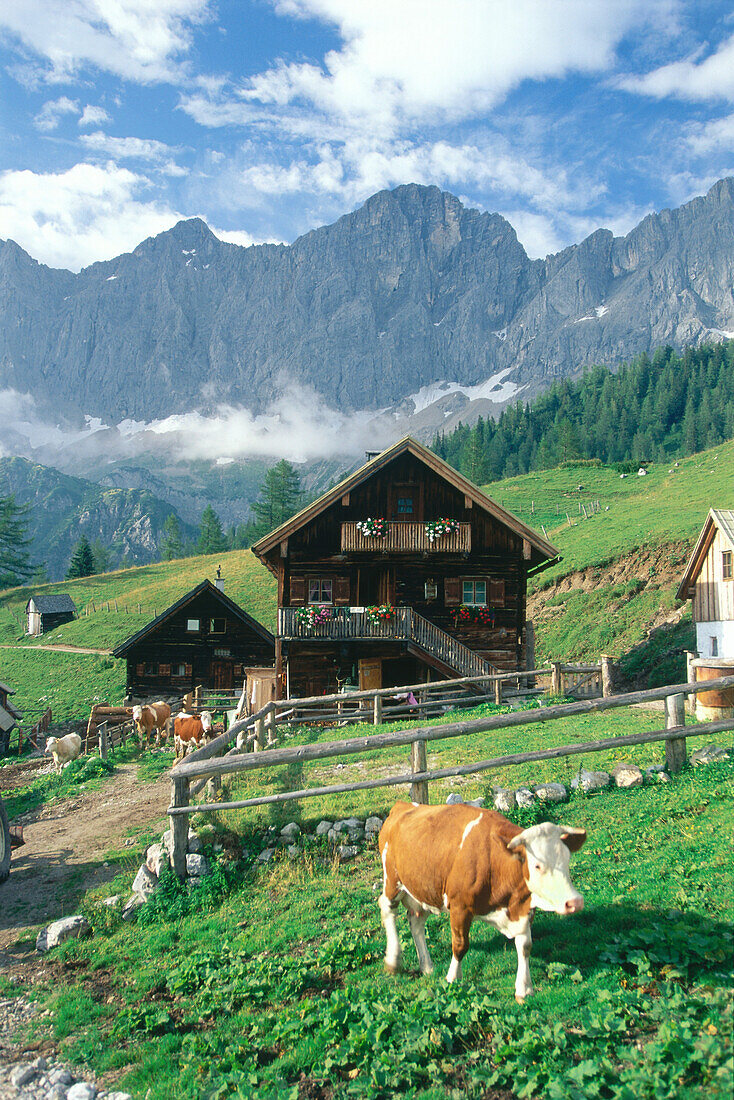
[189,732]
[472,863]
[152,716]
[64,749]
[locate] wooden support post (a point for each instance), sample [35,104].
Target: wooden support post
[675,717]
[259,742]
[103,746]
[377,711]
[690,679]
[556,678]
[498,693]
[271,725]
[179,827]
[214,786]
[607,675]
[419,789]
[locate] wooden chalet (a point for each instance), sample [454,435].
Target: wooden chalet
[48,611]
[204,638]
[709,582]
[453,603]
[9,716]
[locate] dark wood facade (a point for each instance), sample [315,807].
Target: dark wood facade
[321,557]
[204,638]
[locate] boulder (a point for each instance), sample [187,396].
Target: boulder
[291,831]
[113,901]
[373,824]
[133,903]
[323,827]
[477,802]
[67,928]
[156,859]
[590,781]
[347,852]
[627,775]
[167,841]
[657,773]
[193,842]
[504,800]
[551,792]
[454,799]
[525,797]
[709,754]
[82,1090]
[22,1075]
[144,883]
[293,851]
[266,855]
[196,865]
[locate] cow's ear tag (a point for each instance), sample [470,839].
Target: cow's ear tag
[573,838]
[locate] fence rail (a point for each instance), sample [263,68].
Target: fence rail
[202,765]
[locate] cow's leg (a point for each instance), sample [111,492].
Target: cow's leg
[417,921]
[388,901]
[460,924]
[523,981]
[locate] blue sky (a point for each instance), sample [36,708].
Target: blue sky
[270,117]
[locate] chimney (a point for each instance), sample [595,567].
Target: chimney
[369,455]
[219,580]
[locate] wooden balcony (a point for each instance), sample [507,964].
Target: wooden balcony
[405,537]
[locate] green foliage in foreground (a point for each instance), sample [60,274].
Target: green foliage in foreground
[274,987]
[87,771]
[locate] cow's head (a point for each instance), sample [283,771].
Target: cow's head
[545,851]
[137,713]
[51,744]
[206,721]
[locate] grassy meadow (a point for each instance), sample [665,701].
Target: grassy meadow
[267,982]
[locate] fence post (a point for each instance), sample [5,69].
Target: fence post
[259,742]
[419,789]
[690,678]
[271,724]
[675,718]
[498,693]
[377,711]
[179,826]
[103,747]
[607,675]
[556,678]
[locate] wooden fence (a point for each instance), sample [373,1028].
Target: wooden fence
[203,766]
[37,733]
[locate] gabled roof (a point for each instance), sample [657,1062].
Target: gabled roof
[212,590]
[718,519]
[52,605]
[407,445]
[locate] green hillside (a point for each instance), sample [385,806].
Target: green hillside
[617,578]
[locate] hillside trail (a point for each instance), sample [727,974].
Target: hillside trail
[58,648]
[65,845]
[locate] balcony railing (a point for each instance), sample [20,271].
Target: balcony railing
[405,625]
[406,537]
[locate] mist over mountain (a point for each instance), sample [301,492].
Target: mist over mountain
[411,302]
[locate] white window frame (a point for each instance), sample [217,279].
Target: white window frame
[193,629]
[324,584]
[727,566]
[473,584]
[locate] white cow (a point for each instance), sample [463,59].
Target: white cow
[64,749]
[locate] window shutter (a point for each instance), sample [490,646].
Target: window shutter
[164,670]
[189,670]
[298,590]
[451,591]
[497,593]
[140,670]
[238,670]
[342,590]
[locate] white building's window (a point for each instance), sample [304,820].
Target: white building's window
[714,647]
[726,565]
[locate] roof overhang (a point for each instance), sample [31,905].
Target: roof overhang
[716,520]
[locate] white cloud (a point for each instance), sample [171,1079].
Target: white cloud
[133,148]
[52,112]
[691,79]
[93,116]
[714,136]
[135,39]
[73,218]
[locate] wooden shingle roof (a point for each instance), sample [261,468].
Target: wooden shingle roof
[49,604]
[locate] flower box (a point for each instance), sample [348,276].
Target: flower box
[375,527]
[438,528]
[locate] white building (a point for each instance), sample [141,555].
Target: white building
[709,582]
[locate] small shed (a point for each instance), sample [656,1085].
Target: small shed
[9,715]
[709,582]
[204,638]
[47,612]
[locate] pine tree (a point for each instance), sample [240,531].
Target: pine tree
[15,564]
[171,541]
[102,556]
[280,496]
[211,536]
[82,561]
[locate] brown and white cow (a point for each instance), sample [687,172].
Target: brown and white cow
[190,731]
[152,716]
[471,863]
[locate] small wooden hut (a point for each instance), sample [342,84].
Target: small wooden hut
[46,612]
[709,582]
[9,715]
[204,638]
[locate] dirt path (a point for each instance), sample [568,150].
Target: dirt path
[65,843]
[59,648]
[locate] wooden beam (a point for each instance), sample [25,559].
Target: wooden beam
[526,550]
[468,502]
[345,500]
[284,548]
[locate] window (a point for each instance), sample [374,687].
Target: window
[474,593]
[193,626]
[405,506]
[164,670]
[179,670]
[714,647]
[320,590]
[726,565]
[217,626]
[151,668]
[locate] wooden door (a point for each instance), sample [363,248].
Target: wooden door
[386,586]
[370,673]
[222,674]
